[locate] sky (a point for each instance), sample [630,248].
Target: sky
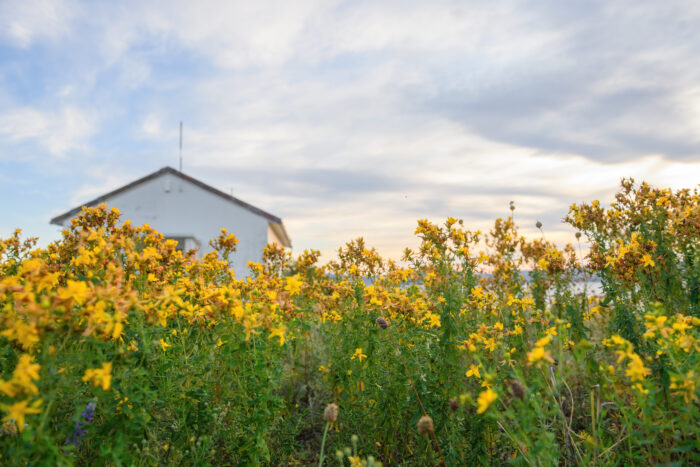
[349,118]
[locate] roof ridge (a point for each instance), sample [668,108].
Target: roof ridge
[167,169]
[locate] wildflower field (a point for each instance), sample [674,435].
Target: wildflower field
[117,349]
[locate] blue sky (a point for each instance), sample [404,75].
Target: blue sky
[349,118]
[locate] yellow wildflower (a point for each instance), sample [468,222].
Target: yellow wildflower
[686,386]
[100,376]
[473,371]
[19,410]
[277,332]
[358,354]
[636,371]
[544,341]
[293,285]
[26,373]
[74,290]
[485,399]
[25,334]
[433,319]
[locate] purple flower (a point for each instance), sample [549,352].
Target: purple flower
[88,416]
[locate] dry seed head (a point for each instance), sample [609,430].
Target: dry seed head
[454,404]
[538,224]
[382,323]
[330,414]
[578,235]
[517,388]
[9,428]
[425,425]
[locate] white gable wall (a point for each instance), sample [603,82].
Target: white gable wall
[178,208]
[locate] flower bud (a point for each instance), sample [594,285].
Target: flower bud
[517,389]
[425,425]
[330,414]
[454,404]
[538,224]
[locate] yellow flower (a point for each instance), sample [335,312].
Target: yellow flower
[636,371]
[686,386]
[485,399]
[473,371]
[647,261]
[74,290]
[18,410]
[100,376]
[26,334]
[8,388]
[355,461]
[433,319]
[277,332]
[25,373]
[490,344]
[544,341]
[537,354]
[293,285]
[150,252]
[358,354]
[164,345]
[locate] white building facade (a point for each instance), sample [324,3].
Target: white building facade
[191,212]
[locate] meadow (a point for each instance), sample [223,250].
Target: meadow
[117,349]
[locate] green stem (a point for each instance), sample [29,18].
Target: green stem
[323,445]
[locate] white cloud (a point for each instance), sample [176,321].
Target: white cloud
[25,21]
[459,106]
[59,132]
[151,126]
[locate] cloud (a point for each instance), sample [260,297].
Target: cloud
[357,118]
[24,22]
[610,87]
[58,132]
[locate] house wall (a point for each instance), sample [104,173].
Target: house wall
[177,208]
[272,236]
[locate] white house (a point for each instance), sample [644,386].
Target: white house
[192,213]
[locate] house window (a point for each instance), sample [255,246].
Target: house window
[184,243]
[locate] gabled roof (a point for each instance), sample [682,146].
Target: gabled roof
[275,222]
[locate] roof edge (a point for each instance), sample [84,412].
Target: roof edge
[281,233]
[58,220]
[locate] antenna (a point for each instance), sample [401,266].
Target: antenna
[180,146]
